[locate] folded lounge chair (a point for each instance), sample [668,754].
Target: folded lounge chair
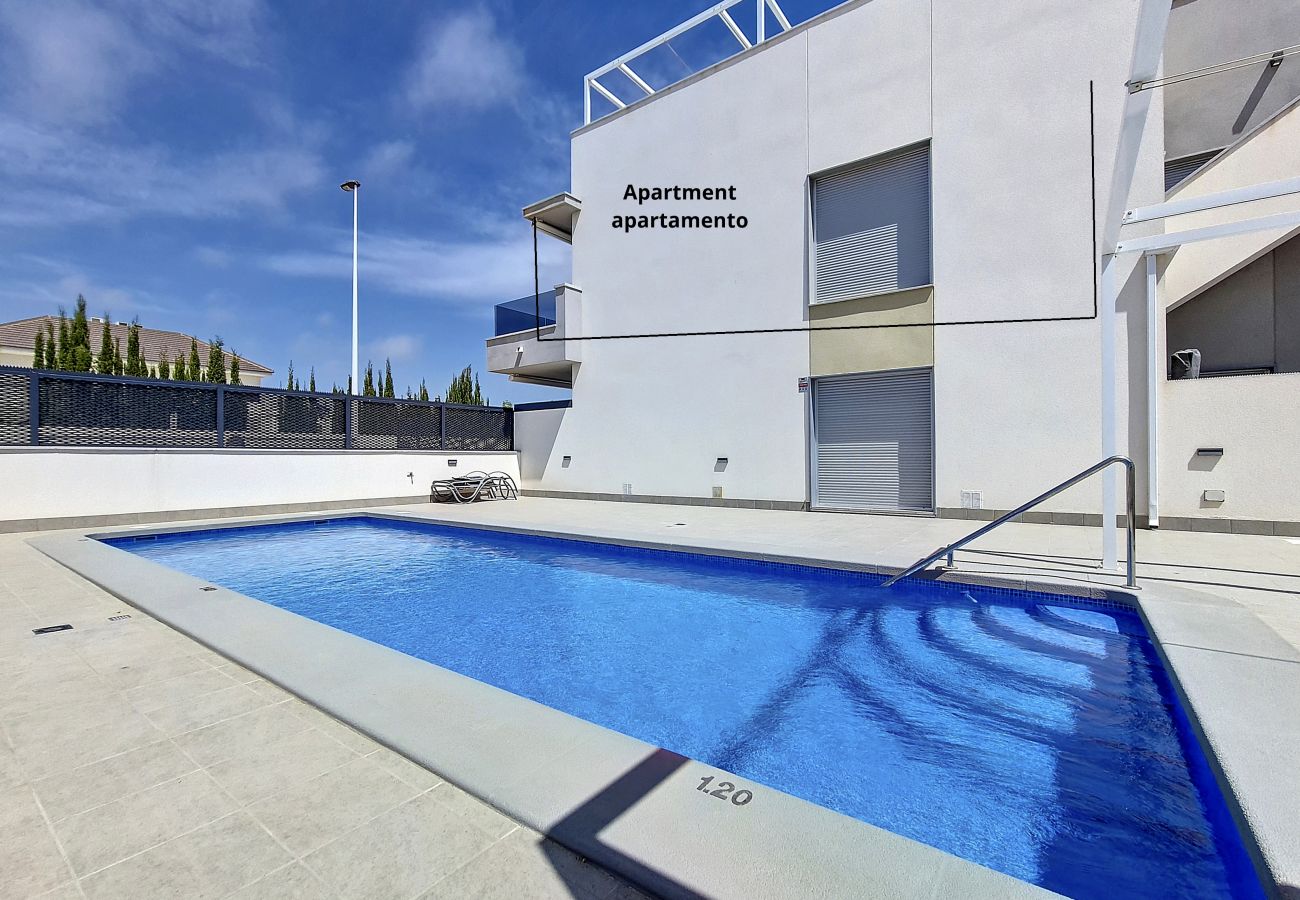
[474,486]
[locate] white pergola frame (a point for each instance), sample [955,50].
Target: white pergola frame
[1153,19]
[721,11]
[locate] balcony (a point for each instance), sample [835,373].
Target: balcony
[528,338]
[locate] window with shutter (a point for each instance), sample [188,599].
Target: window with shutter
[871,226]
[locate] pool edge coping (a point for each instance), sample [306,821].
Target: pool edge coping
[1164,610]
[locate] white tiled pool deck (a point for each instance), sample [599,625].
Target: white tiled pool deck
[137,763]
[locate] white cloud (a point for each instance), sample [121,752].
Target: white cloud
[26,296]
[69,61]
[60,178]
[387,159]
[490,269]
[463,61]
[395,346]
[213,257]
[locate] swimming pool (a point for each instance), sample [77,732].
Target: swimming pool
[1031,734]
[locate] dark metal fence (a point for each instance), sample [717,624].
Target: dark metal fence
[81,410]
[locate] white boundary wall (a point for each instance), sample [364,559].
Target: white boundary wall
[1254,419]
[50,483]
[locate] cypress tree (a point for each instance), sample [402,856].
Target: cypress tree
[164,368]
[388,378]
[135,364]
[349,385]
[119,367]
[195,372]
[38,354]
[424,391]
[79,335]
[288,382]
[104,363]
[234,368]
[216,361]
[65,343]
[369,389]
[311,380]
[51,347]
[478,394]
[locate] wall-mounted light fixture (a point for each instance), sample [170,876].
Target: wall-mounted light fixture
[1209,451]
[720,465]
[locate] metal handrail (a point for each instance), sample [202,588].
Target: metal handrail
[1131,528]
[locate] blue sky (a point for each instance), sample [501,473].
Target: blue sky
[179,161]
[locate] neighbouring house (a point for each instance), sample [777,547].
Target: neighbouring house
[883,233]
[18,343]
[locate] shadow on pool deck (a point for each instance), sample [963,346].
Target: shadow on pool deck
[580,829]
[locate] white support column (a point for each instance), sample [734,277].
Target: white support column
[762,22]
[1109,442]
[1155,359]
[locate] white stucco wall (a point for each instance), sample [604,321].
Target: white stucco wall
[1002,94]
[1253,418]
[51,483]
[535,433]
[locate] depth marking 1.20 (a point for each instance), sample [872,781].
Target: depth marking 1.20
[725,791]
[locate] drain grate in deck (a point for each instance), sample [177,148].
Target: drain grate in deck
[50,629]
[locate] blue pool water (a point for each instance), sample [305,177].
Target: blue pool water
[1033,735]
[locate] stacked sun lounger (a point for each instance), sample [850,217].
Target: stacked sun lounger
[474,486]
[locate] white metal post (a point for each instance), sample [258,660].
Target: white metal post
[1155,358]
[356,192]
[762,22]
[1109,507]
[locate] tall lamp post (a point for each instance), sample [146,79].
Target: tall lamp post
[353,188]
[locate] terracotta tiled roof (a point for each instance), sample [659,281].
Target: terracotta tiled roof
[21,335]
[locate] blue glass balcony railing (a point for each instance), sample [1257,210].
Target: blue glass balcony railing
[525,314]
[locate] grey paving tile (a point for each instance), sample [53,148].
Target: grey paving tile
[205,864]
[279,765]
[101,836]
[199,712]
[271,692]
[238,673]
[148,697]
[71,736]
[40,688]
[293,882]
[314,812]
[417,776]
[240,735]
[30,861]
[348,737]
[68,891]
[401,853]
[125,677]
[474,811]
[69,793]
[526,866]
[11,773]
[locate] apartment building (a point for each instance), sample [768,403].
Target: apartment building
[857,266]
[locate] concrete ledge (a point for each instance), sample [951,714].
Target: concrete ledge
[1167,523]
[10,526]
[796,505]
[630,806]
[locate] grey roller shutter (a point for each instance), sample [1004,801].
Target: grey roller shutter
[871,226]
[874,441]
